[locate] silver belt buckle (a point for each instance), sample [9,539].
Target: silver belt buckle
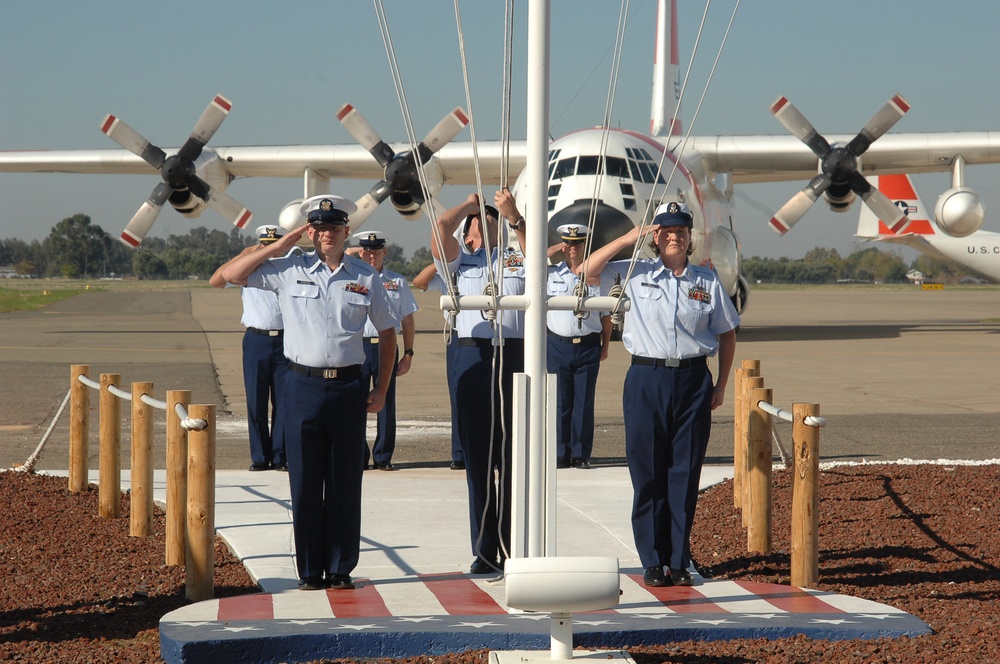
[576,340]
[671,362]
[329,373]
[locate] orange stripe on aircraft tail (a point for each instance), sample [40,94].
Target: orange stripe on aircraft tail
[896,187]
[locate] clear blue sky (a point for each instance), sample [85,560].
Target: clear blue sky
[288,67]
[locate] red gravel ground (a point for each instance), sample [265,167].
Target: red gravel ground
[923,538]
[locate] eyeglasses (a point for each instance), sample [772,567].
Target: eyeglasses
[574,242]
[328,227]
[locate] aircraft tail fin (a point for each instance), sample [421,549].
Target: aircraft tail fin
[666,73]
[902,192]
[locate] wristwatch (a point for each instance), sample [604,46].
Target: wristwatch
[517,225]
[408,352]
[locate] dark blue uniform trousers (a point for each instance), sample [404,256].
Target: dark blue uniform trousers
[385,421]
[575,367]
[668,418]
[264,369]
[449,356]
[325,439]
[482,432]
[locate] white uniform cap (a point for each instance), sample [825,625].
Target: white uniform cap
[371,239]
[269,233]
[572,232]
[327,208]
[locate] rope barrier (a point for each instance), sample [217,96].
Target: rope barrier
[787,415]
[29,464]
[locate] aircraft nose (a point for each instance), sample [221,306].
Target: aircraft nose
[609,223]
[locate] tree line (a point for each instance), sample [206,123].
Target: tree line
[76,248]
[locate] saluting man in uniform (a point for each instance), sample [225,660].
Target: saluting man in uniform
[373,252]
[325,298]
[680,316]
[264,362]
[487,354]
[575,347]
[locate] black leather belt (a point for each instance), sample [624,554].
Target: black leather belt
[575,340]
[477,341]
[670,362]
[351,372]
[266,333]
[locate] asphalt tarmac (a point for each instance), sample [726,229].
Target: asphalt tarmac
[896,373]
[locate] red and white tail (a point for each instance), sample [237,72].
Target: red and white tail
[900,190]
[666,73]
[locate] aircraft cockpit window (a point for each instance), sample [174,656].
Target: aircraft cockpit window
[636,173]
[554,154]
[564,168]
[554,190]
[627,189]
[552,168]
[617,167]
[647,172]
[588,166]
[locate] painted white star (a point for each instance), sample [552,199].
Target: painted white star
[240,629]
[529,616]
[311,621]
[357,628]
[653,616]
[477,625]
[720,621]
[877,616]
[416,619]
[195,623]
[765,616]
[594,622]
[833,621]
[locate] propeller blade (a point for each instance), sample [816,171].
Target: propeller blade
[133,141]
[368,203]
[205,128]
[443,132]
[796,123]
[881,122]
[365,134]
[138,227]
[799,204]
[879,203]
[229,208]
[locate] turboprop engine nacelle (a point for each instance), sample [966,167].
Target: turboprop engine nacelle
[959,212]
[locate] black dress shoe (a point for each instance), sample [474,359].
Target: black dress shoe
[312,583]
[281,466]
[563,463]
[340,582]
[385,465]
[581,463]
[457,465]
[654,577]
[481,566]
[262,465]
[681,577]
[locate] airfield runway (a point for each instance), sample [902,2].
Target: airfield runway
[898,373]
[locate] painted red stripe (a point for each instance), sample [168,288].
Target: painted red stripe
[244,218]
[362,602]
[246,607]
[778,105]
[131,240]
[788,598]
[223,102]
[459,595]
[344,111]
[780,227]
[920,227]
[108,121]
[901,103]
[682,599]
[461,116]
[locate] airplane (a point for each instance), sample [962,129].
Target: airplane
[615,189]
[978,252]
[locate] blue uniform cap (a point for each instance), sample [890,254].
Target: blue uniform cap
[673,214]
[371,239]
[328,209]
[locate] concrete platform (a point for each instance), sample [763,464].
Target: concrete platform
[414,596]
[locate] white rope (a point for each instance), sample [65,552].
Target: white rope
[120,393]
[88,382]
[788,416]
[29,464]
[189,423]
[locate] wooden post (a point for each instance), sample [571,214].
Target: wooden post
[750,383]
[141,504]
[200,558]
[110,492]
[79,427]
[805,498]
[177,459]
[749,368]
[759,457]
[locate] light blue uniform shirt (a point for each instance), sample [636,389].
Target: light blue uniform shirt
[260,309]
[562,281]
[401,300]
[473,277]
[672,317]
[325,311]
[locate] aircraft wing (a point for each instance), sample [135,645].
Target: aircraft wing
[913,241]
[780,158]
[332,161]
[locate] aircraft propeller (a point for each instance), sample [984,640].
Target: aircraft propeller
[178,171]
[839,175]
[401,183]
